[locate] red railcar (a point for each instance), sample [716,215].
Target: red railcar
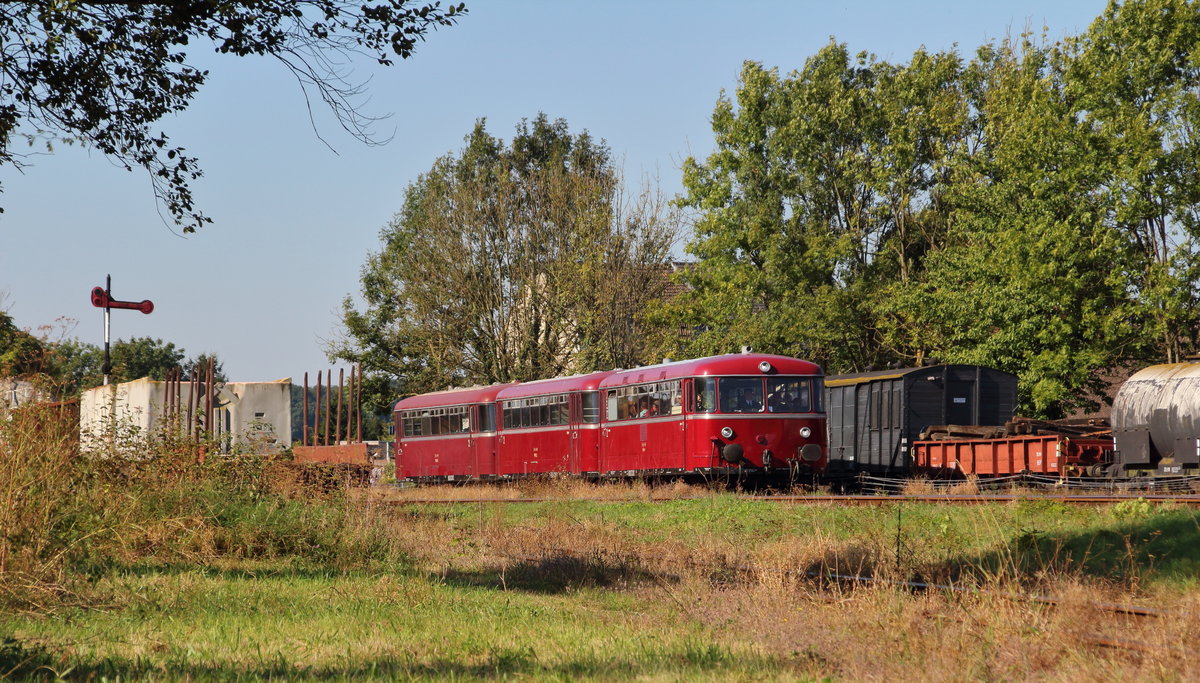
[734,411]
[737,410]
[551,425]
[447,434]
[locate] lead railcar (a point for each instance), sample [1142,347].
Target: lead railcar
[733,412]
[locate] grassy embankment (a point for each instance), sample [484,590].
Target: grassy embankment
[233,570]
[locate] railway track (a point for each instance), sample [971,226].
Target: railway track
[850,499]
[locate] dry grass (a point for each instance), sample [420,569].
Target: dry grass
[918,487]
[878,633]
[37,446]
[560,589]
[766,596]
[562,488]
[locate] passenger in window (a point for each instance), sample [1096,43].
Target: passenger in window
[779,400]
[643,407]
[747,402]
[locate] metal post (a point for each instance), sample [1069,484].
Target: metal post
[358,403]
[209,401]
[191,414]
[317,412]
[328,401]
[337,421]
[304,415]
[350,407]
[168,393]
[107,368]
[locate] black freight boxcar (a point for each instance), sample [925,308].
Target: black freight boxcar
[875,416]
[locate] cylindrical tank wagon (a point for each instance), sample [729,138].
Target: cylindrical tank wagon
[1156,421]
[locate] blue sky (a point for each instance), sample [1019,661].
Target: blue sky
[294,220]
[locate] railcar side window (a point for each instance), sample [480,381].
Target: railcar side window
[434,421]
[412,423]
[487,417]
[645,400]
[591,407]
[537,411]
[706,394]
[789,395]
[741,394]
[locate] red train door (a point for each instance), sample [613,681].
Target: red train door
[472,442]
[575,416]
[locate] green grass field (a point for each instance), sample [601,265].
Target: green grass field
[212,582]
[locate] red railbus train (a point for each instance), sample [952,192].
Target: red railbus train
[746,412]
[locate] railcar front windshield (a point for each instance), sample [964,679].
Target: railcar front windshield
[756,395]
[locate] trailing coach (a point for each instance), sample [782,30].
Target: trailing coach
[738,412]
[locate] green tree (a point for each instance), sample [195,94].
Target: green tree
[823,191]
[1133,79]
[104,73]
[21,353]
[75,366]
[510,262]
[196,366]
[1033,280]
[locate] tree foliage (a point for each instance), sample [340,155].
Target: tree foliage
[511,262]
[21,353]
[74,366]
[823,191]
[1033,208]
[104,73]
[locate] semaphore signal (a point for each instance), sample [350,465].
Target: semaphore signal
[102,298]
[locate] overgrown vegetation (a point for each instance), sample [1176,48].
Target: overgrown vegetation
[153,567]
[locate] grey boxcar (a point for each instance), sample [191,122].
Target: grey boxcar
[875,416]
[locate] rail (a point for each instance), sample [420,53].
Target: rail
[1183,484]
[845,499]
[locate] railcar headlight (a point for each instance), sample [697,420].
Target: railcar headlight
[764,367]
[727,432]
[805,432]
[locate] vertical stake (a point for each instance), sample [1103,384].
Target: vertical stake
[191,415]
[107,369]
[317,410]
[337,421]
[328,401]
[304,415]
[358,403]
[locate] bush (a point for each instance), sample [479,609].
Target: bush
[64,515]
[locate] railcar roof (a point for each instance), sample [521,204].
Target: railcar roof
[895,373]
[452,397]
[555,385]
[1166,371]
[728,364]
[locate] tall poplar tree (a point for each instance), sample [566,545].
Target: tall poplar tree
[511,261]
